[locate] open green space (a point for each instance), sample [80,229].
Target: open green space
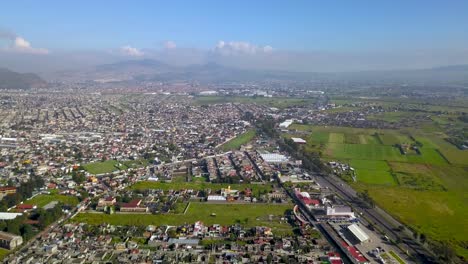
[43,199]
[248,215]
[240,140]
[135,163]
[103,167]
[336,138]
[3,253]
[373,172]
[358,151]
[319,137]
[375,177]
[277,102]
[395,256]
[142,185]
[425,190]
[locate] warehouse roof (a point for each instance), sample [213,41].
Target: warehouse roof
[358,232]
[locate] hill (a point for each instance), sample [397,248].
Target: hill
[14,80]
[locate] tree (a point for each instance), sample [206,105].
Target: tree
[78,177]
[26,231]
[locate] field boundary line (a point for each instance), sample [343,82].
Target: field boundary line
[186,207]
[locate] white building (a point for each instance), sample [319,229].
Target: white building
[358,233]
[286,123]
[274,157]
[340,211]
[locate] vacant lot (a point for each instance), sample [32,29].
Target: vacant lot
[224,214]
[43,199]
[103,167]
[240,140]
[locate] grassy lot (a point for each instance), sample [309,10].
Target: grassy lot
[226,214]
[142,185]
[319,137]
[395,256]
[135,163]
[373,172]
[3,253]
[375,177]
[370,164]
[240,140]
[43,199]
[440,215]
[102,167]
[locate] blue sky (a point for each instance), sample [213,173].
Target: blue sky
[354,35]
[290,25]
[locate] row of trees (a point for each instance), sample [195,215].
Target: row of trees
[23,191]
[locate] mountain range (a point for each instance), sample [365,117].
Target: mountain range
[153,70]
[14,80]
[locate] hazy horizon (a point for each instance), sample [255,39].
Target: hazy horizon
[305,37]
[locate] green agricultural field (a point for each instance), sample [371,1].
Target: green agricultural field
[336,138]
[393,116]
[425,191]
[369,139]
[373,172]
[240,140]
[225,214]
[351,138]
[370,164]
[358,151]
[142,185]
[394,138]
[43,199]
[375,177]
[428,155]
[102,167]
[319,137]
[440,215]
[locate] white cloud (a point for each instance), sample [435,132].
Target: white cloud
[21,45]
[267,49]
[240,47]
[170,44]
[130,51]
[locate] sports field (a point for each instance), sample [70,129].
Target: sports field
[224,214]
[103,167]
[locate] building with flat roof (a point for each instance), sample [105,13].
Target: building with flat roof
[358,233]
[286,123]
[298,140]
[274,158]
